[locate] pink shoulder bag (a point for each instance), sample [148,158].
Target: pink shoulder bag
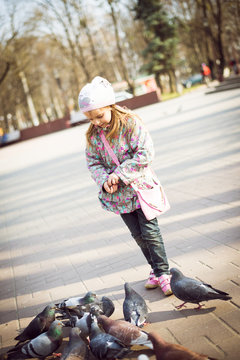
[153,201]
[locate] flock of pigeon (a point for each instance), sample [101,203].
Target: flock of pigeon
[94,334]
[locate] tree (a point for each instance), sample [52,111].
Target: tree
[119,46]
[160,36]
[64,14]
[216,13]
[208,31]
[10,94]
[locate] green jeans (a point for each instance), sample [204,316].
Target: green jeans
[148,236]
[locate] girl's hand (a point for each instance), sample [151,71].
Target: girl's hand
[112,180]
[110,189]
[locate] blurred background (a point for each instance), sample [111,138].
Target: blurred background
[51,48]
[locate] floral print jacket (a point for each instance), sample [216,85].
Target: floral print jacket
[134,151]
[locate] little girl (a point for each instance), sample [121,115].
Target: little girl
[133,147]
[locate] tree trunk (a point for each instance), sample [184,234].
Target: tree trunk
[207,36]
[170,82]
[92,47]
[219,42]
[119,48]
[7,68]
[110,57]
[5,120]
[158,81]
[76,48]
[31,107]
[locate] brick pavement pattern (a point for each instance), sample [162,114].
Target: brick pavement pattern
[57,242]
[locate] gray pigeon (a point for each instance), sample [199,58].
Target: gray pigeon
[38,325]
[46,343]
[41,346]
[76,305]
[193,291]
[76,348]
[134,307]
[76,301]
[68,313]
[104,346]
[107,306]
[84,324]
[104,306]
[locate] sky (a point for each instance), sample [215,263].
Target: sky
[24,9]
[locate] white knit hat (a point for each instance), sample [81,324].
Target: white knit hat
[97,94]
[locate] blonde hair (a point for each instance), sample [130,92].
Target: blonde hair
[120,119]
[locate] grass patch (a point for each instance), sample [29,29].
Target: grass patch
[169,96]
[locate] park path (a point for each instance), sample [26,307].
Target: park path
[57,242]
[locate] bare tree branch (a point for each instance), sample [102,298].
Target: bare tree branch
[7,68]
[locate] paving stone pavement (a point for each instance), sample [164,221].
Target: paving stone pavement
[57,242]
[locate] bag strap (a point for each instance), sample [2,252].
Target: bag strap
[108,148]
[113,155]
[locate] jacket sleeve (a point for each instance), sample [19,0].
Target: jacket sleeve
[95,166]
[141,148]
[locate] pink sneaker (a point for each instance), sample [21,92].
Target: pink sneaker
[164,283]
[152,281]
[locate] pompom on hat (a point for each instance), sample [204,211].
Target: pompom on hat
[97,94]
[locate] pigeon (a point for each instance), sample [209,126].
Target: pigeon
[134,307]
[128,334]
[167,351]
[76,348]
[107,306]
[104,306]
[76,301]
[44,344]
[105,346]
[68,313]
[84,324]
[76,305]
[38,325]
[193,291]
